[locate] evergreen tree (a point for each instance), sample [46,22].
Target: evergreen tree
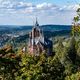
[72,50]
[76,25]
[39,68]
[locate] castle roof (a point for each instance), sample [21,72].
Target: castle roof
[36,24]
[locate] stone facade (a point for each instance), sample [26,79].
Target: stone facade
[37,41]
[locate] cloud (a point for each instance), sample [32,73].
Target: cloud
[20,7]
[69,7]
[47,12]
[46,6]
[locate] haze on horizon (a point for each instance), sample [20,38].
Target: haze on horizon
[23,12]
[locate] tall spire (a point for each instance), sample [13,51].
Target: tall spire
[36,24]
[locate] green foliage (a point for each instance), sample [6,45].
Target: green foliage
[72,50]
[78,10]
[76,26]
[7,68]
[76,19]
[7,63]
[75,76]
[39,68]
[64,65]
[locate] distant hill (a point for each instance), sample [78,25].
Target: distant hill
[22,32]
[45,27]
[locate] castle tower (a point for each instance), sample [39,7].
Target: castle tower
[37,41]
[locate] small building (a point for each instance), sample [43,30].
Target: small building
[37,41]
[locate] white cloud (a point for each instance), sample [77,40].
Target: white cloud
[11,6]
[45,6]
[69,7]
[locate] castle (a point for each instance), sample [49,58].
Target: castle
[37,41]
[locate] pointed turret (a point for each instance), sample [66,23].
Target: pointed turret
[36,23]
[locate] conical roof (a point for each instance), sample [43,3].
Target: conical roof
[36,23]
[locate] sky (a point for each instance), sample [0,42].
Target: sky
[24,12]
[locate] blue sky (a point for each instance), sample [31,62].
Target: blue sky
[24,12]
